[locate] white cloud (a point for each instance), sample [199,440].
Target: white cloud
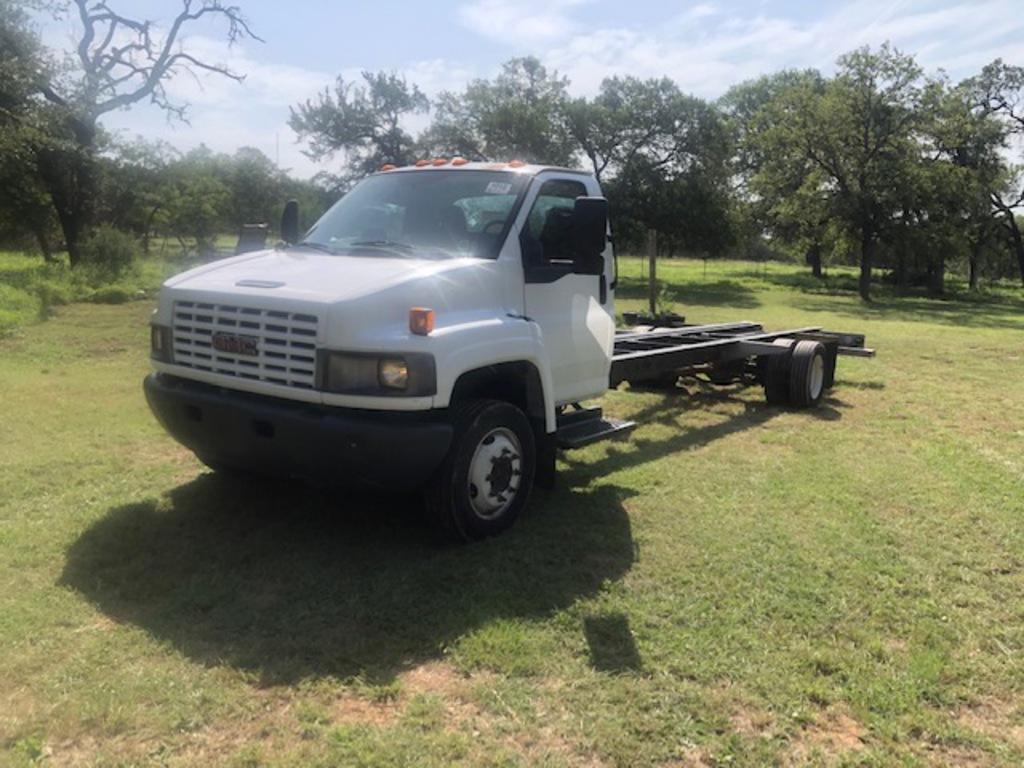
[224,114]
[526,21]
[705,46]
[706,49]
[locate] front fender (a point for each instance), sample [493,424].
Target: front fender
[468,346]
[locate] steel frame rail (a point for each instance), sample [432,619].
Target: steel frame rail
[639,355]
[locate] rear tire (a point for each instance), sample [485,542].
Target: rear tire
[777,374]
[808,374]
[485,480]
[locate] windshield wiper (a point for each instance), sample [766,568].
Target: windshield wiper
[316,247]
[383,244]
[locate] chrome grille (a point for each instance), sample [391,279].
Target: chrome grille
[285,342]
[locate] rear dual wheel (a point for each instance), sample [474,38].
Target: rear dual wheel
[797,378]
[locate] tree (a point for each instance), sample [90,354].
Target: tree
[117,62]
[364,122]
[631,117]
[256,187]
[521,114]
[963,165]
[134,186]
[197,202]
[27,212]
[786,197]
[858,133]
[998,92]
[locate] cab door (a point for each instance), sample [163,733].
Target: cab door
[574,311]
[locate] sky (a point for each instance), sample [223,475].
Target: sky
[443,44]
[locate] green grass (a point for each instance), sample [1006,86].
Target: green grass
[733,585]
[30,288]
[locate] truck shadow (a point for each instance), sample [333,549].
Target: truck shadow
[668,410]
[289,582]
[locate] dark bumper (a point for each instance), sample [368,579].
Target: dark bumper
[391,450]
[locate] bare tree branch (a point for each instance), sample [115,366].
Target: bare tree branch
[122,63]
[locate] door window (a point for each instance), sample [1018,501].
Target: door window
[547,238]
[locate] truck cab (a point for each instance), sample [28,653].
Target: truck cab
[424,334]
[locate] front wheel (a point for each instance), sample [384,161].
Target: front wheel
[485,481]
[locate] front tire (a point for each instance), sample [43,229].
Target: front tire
[485,481]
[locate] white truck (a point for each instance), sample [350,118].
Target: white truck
[436,329]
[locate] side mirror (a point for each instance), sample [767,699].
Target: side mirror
[290,222]
[589,234]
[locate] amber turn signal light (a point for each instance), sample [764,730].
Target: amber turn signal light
[421,320]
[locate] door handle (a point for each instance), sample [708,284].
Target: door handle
[603,288]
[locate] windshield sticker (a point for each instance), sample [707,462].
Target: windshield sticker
[498,188]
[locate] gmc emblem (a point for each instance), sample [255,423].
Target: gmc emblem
[236,345]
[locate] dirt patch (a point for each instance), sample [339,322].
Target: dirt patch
[954,757]
[752,722]
[435,677]
[697,757]
[829,737]
[746,718]
[999,720]
[356,710]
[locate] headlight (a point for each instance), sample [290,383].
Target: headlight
[160,343]
[357,373]
[393,374]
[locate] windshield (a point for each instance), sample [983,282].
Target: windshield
[426,214]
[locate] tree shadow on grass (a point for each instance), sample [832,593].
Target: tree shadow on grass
[718,293]
[291,582]
[914,309]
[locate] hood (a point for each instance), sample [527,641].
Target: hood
[306,275]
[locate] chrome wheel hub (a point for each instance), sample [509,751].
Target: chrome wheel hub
[817,376]
[495,472]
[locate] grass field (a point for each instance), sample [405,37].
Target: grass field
[733,585]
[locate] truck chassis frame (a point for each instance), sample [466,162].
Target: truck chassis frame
[726,352]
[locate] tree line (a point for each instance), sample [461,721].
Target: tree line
[879,164]
[907,174]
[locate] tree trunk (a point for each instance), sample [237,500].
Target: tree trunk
[867,257]
[43,240]
[68,177]
[901,271]
[814,259]
[973,266]
[1018,241]
[937,277]
[149,229]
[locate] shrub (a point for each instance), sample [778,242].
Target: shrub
[108,254]
[112,294]
[17,307]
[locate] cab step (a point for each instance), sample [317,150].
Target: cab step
[584,426]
